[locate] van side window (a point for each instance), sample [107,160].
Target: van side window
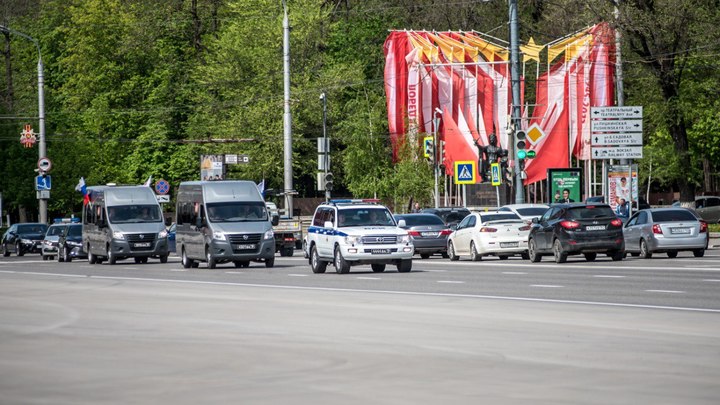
[185,213]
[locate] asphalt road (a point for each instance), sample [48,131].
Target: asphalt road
[636,331]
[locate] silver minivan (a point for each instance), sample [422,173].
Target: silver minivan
[121,222]
[223,221]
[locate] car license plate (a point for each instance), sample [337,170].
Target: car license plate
[429,234]
[508,244]
[595,228]
[142,244]
[245,247]
[380,251]
[680,230]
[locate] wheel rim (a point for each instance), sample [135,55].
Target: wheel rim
[531,248]
[337,258]
[314,259]
[643,248]
[557,250]
[184,258]
[451,251]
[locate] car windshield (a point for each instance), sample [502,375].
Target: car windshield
[364,217]
[237,211]
[125,214]
[35,228]
[532,212]
[74,230]
[498,217]
[415,220]
[590,212]
[55,230]
[673,216]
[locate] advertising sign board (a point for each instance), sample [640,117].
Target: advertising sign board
[562,180]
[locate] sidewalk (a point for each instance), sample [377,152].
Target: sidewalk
[714,242]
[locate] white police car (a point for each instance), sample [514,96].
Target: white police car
[355,232]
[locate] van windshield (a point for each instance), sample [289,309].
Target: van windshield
[236,211]
[126,214]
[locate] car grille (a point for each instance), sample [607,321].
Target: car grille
[379,239]
[244,238]
[140,237]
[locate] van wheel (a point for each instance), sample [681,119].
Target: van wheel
[92,259]
[186,262]
[163,258]
[270,262]
[112,259]
[209,259]
[317,265]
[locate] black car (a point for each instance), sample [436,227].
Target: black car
[70,244]
[451,216]
[23,238]
[428,233]
[571,229]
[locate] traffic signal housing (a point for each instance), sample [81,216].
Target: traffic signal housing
[429,151]
[520,144]
[329,181]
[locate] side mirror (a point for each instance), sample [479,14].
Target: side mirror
[275,219]
[535,220]
[328,224]
[402,223]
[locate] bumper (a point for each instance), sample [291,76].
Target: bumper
[77,252]
[430,246]
[502,247]
[675,244]
[593,246]
[223,250]
[46,250]
[33,247]
[377,253]
[123,248]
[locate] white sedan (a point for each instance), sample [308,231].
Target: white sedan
[526,211]
[501,234]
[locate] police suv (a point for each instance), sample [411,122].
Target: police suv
[354,232]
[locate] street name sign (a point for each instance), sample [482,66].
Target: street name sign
[616,126]
[617,152]
[616,112]
[621,139]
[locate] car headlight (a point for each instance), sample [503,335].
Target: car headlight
[219,235]
[118,235]
[404,239]
[27,241]
[47,243]
[353,240]
[269,234]
[73,244]
[162,234]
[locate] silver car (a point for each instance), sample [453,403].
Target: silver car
[48,246]
[428,233]
[665,230]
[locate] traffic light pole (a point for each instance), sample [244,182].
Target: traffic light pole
[323,97]
[436,165]
[515,81]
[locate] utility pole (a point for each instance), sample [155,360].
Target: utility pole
[326,149]
[515,81]
[436,155]
[42,150]
[287,118]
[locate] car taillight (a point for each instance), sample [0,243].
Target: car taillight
[657,229]
[570,224]
[445,232]
[524,228]
[703,226]
[616,222]
[413,233]
[487,229]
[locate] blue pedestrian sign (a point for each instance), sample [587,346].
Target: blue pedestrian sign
[495,177]
[162,187]
[465,172]
[42,183]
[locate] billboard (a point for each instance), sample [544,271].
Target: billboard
[212,167]
[565,185]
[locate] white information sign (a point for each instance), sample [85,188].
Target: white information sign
[616,126]
[616,112]
[617,152]
[622,139]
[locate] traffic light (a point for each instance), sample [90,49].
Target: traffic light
[329,181]
[520,145]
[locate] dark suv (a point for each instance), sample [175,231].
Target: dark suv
[450,215]
[571,229]
[23,238]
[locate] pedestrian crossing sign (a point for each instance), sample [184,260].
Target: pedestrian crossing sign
[495,179]
[465,172]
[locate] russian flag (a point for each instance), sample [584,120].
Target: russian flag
[81,187]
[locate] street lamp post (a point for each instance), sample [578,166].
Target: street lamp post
[323,97]
[436,122]
[42,152]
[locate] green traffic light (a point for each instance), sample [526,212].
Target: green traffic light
[521,154]
[531,154]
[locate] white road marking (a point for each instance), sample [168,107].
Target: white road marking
[710,279]
[178,270]
[368,278]
[7,271]
[413,293]
[546,286]
[451,282]
[607,276]
[513,272]
[298,275]
[666,291]
[437,271]
[234,272]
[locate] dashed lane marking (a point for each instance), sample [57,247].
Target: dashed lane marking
[368,278]
[607,276]
[666,291]
[514,272]
[297,275]
[450,282]
[546,286]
